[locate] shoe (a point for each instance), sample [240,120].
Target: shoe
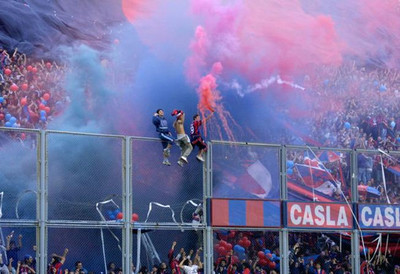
[166,162]
[180,163]
[201,159]
[183,158]
[166,152]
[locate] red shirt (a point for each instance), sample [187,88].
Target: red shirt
[195,128]
[55,268]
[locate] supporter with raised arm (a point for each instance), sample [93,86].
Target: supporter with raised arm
[174,261]
[182,139]
[196,138]
[13,249]
[189,266]
[57,262]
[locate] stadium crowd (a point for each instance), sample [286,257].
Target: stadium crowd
[31,91]
[309,253]
[354,107]
[248,252]
[32,94]
[375,184]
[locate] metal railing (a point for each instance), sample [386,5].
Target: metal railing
[56,182]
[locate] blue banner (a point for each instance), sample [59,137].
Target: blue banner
[379,216]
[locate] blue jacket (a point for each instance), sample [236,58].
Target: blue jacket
[161,124]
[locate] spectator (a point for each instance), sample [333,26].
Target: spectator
[13,249]
[4,269]
[79,269]
[30,90]
[318,269]
[57,262]
[222,267]
[190,267]
[26,266]
[246,268]
[174,261]
[111,267]
[163,269]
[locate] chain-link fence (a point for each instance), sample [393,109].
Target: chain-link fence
[96,249]
[112,201]
[18,244]
[318,175]
[245,171]
[328,251]
[237,250]
[166,248]
[82,171]
[18,174]
[378,176]
[164,193]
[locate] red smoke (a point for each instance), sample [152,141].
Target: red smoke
[210,101]
[196,62]
[208,94]
[374,32]
[135,9]
[260,37]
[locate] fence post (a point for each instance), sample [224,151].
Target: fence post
[208,244]
[127,204]
[42,212]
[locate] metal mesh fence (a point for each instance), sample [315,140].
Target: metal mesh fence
[318,175]
[82,171]
[378,177]
[379,252]
[18,174]
[86,176]
[245,171]
[157,247]
[95,248]
[315,251]
[18,244]
[161,193]
[241,249]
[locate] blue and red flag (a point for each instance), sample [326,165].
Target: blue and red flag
[369,191]
[394,169]
[252,213]
[313,176]
[329,156]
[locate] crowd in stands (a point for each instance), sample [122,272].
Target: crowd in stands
[370,174]
[353,107]
[31,91]
[360,110]
[309,253]
[247,252]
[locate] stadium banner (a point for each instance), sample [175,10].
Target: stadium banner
[379,216]
[245,213]
[318,215]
